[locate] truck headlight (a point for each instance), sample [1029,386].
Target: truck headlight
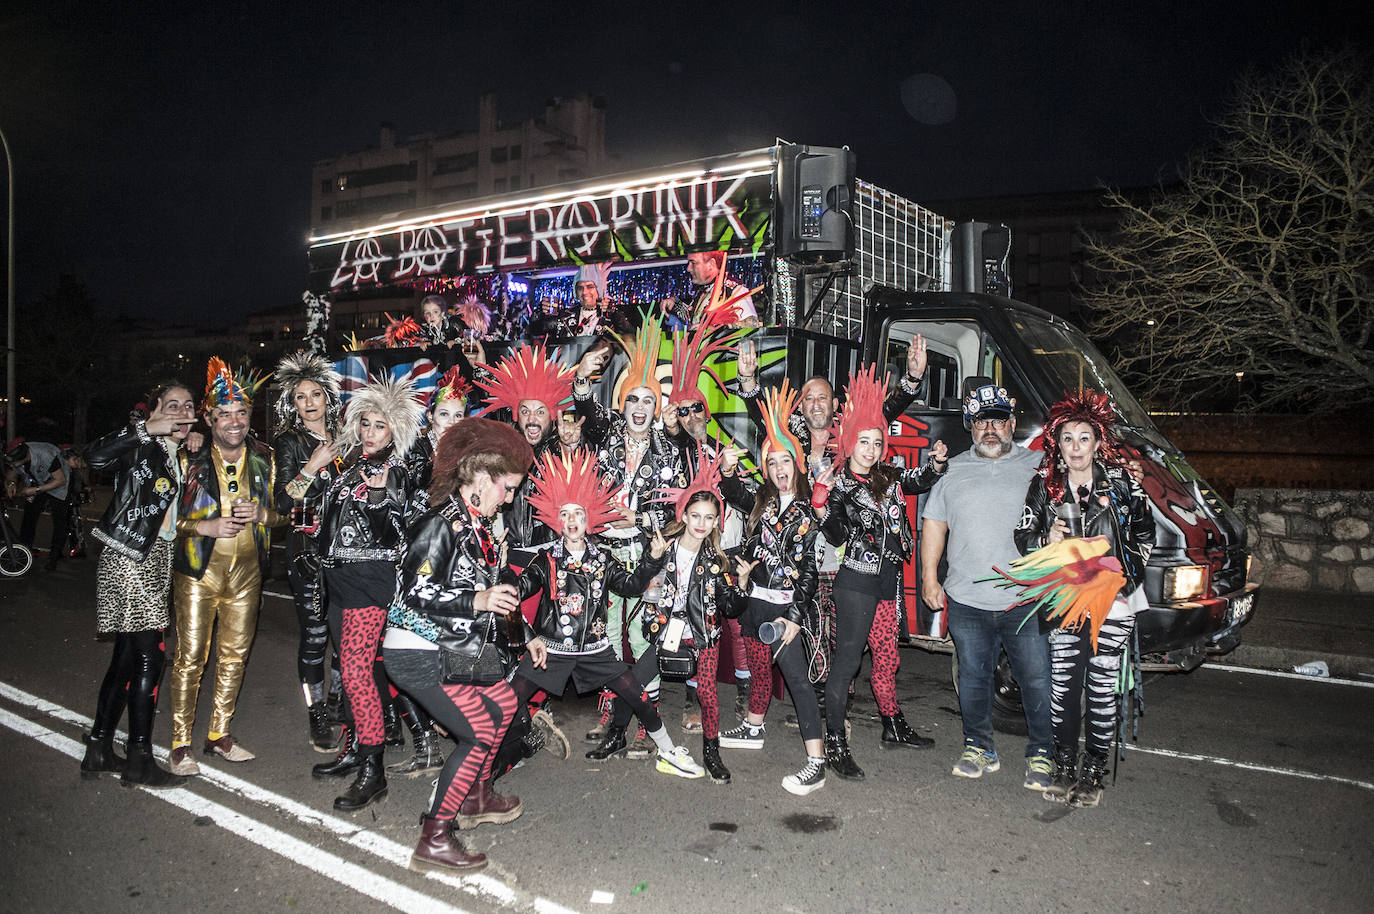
[1185,582]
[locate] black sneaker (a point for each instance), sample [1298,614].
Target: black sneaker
[744,736]
[810,779]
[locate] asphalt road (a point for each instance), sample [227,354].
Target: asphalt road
[1245,791]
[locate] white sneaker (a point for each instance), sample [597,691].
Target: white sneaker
[679,762]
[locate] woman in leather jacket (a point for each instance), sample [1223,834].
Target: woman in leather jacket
[361,539]
[134,580]
[863,507]
[450,608]
[778,568]
[1083,463]
[307,462]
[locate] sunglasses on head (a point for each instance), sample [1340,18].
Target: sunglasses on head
[690,408]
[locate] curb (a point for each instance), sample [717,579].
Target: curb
[1265,657]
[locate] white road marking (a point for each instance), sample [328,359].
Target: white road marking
[1283,674]
[487,887]
[1251,766]
[348,874]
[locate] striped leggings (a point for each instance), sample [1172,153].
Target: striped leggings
[1074,666]
[476,717]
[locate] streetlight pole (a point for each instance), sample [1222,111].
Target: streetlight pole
[11,421]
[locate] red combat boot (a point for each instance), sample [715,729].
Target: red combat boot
[483,804]
[439,850]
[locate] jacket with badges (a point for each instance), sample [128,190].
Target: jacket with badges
[362,524]
[450,556]
[291,451]
[710,598]
[574,594]
[784,545]
[145,487]
[869,528]
[662,465]
[1117,508]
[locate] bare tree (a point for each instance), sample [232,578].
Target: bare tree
[1254,273]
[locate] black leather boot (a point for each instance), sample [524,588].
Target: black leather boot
[898,734]
[141,770]
[391,716]
[322,736]
[838,759]
[427,756]
[1087,791]
[345,763]
[1065,774]
[613,743]
[100,758]
[333,705]
[369,786]
[710,760]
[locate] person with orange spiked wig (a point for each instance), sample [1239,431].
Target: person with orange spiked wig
[1083,466]
[635,459]
[574,580]
[862,508]
[777,570]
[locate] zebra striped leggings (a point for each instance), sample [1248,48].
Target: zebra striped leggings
[1074,666]
[476,717]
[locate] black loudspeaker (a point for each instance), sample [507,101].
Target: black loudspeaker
[815,202]
[980,255]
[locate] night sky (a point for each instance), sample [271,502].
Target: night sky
[164,158]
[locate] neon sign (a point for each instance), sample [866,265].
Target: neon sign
[657,216]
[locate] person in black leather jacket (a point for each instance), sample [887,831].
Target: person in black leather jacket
[361,539]
[1083,463]
[451,605]
[778,566]
[863,508]
[134,580]
[307,462]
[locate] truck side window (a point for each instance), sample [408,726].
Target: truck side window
[952,351]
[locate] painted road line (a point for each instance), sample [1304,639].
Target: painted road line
[1250,766]
[1283,674]
[487,887]
[350,875]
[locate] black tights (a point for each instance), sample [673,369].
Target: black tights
[134,673]
[303,571]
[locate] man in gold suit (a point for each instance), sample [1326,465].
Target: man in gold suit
[221,554]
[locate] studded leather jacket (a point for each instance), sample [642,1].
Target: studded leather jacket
[574,595]
[661,465]
[291,451]
[1117,508]
[362,524]
[710,598]
[784,545]
[145,486]
[870,528]
[450,556]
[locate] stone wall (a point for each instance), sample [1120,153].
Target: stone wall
[1311,539]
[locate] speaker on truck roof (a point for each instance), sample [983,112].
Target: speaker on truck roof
[815,198]
[981,254]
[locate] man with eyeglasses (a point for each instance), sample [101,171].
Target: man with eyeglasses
[221,555]
[970,516]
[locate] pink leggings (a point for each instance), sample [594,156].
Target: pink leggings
[361,633]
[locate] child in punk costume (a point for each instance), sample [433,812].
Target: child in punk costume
[696,598]
[574,579]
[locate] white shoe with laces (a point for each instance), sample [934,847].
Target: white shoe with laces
[679,762]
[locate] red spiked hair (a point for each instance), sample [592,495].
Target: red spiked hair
[691,350]
[1087,406]
[572,482]
[707,479]
[863,409]
[527,374]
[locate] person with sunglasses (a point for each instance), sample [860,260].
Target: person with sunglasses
[970,515]
[221,555]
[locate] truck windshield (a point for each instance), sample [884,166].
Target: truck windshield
[1072,362]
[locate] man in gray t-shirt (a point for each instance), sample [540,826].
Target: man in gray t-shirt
[970,515]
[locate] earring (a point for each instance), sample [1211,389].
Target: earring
[475,500]
[1061,464]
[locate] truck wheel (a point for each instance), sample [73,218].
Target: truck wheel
[1008,716]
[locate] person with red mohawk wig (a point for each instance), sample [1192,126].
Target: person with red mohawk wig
[574,580]
[1083,464]
[862,508]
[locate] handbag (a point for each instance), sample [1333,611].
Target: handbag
[679,665]
[459,667]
